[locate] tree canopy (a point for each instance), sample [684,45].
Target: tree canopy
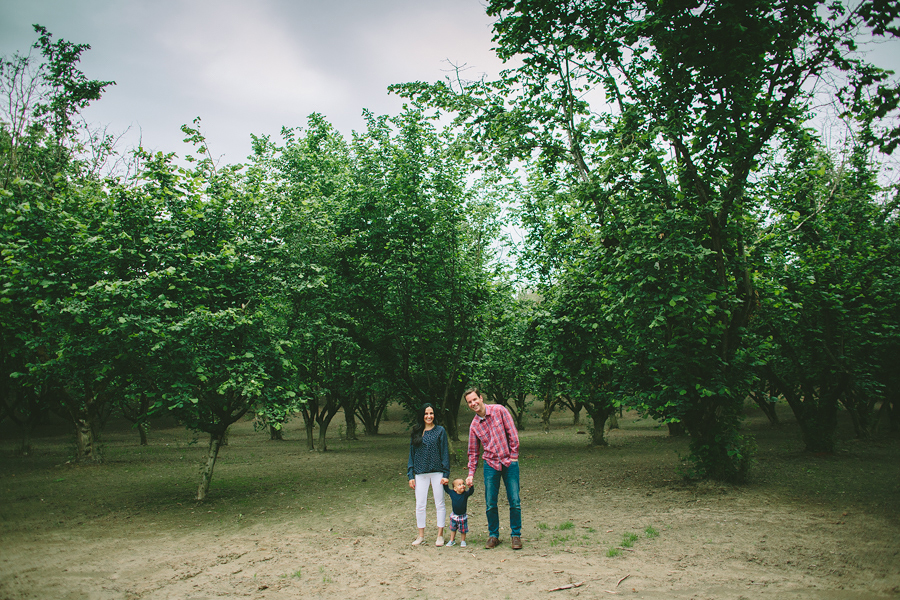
[690,241]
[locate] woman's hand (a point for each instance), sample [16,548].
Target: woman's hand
[412,483]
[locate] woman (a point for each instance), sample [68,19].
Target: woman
[429,465]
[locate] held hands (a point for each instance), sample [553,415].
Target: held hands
[444,481]
[412,483]
[469,480]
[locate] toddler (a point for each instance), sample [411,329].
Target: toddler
[459,520]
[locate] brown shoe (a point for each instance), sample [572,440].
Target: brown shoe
[492,543]
[516,542]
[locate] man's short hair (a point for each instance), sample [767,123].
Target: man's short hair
[474,388]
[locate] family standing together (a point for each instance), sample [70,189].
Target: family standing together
[492,435]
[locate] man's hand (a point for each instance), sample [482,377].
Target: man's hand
[469,480]
[412,483]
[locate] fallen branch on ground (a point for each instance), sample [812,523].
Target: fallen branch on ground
[568,586]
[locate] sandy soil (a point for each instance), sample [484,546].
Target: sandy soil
[285,523]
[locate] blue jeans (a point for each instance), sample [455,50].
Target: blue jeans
[510,477]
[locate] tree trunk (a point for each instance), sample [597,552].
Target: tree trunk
[309,424]
[370,424]
[451,424]
[549,405]
[371,409]
[599,408]
[521,402]
[894,414]
[143,424]
[818,426]
[85,442]
[816,413]
[350,423]
[888,413]
[323,447]
[215,442]
[576,413]
[613,420]
[323,420]
[861,411]
[452,402]
[676,429]
[276,434]
[718,451]
[767,406]
[598,427]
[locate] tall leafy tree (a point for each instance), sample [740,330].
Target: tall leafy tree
[502,365]
[830,254]
[695,94]
[419,261]
[53,209]
[308,178]
[219,352]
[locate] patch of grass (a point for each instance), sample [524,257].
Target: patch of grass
[543,526]
[628,539]
[296,575]
[613,552]
[566,525]
[650,532]
[559,539]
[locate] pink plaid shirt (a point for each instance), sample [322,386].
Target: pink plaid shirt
[496,433]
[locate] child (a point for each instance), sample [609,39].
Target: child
[459,520]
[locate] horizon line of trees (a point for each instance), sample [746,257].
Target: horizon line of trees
[692,245]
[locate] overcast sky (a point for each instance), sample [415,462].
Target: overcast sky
[252,66]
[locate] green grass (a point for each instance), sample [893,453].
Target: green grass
[650,532]
[613,552]
[295,575]
[628,539]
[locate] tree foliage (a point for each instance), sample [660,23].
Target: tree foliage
[695,98]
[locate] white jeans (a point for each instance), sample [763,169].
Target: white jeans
[422,483]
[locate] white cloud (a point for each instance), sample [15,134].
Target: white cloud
[245,57]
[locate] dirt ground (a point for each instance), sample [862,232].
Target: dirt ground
[281,522]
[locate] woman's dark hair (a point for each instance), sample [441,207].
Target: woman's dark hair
[418,429]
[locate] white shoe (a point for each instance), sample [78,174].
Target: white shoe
[418,541]
[451,543]
[440,541]
[462,544]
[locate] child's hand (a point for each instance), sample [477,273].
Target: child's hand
[444,481]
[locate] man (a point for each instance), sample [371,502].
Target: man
[493,430]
